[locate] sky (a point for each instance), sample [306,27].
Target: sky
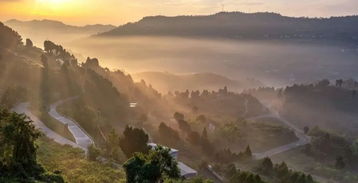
[117,12]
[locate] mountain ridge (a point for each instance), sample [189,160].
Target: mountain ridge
[57,23]
[262,25]
[41,30]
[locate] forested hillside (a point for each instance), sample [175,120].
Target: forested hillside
[256,26]
[122,117]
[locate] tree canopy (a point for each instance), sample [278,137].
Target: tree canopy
[18,150]
[154,166]
[134,140]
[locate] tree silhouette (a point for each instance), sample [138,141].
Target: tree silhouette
[134,140]
[306,129]
[339,82]
[248,152]
[340,164]
[266,166]
[167,134]
[354,93]
[29,43]
[178,116]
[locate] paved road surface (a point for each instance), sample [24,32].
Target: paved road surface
[81,137]
[22,108]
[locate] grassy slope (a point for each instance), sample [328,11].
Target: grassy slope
[298,160]
[74,166]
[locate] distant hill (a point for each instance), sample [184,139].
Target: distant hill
[244,26]
[40,30]
[164,81]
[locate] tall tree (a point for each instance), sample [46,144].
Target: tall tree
[248,152]
[153,167]
[18,149]
[134,140]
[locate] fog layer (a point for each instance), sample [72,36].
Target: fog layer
[272,62]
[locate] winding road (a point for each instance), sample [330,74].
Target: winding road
[23,108]
[81,137]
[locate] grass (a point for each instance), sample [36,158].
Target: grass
[298,160]
[73,165]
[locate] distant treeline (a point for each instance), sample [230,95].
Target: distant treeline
[239,25]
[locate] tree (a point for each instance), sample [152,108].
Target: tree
[245,177]
[9,39]
[248,152]
[194,138]
[45,83]
[44,61]
[339,82]
[93,153]
[354,93]
[168,134]
[184,126]
[134,140]
[178,116]
[201,118]
[340,164]
[266,166]
[230,170]
[192,180]
[281,170]
[155,166]
[306,129]
[195,109]
[354,147]
[29,43]
[112,145]
[204,134]
[49,46]
[12,96]
[206,145]
[323,83]
[18,149]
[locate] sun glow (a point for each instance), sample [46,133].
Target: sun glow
[54,8]
[53,1]
[55,4]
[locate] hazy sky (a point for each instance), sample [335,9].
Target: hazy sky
[122,11]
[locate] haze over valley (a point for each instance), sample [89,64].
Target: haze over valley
[229,97]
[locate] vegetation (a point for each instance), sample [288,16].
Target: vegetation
[235,175]
[327,147]
[134,140]
[210,126]
[74,166]
[9,39]
[18,160]
[168,135]
[281,173]
[155,166]
[237,23]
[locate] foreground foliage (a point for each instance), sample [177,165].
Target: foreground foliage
[154,166]
[18,161]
